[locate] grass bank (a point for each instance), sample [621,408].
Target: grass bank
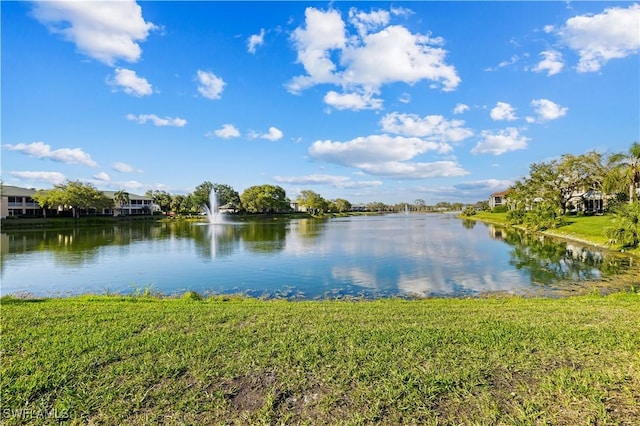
[226,360]
[14,223]
[584,229]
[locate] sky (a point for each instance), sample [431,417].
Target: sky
[366,101]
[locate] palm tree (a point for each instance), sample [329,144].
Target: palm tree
[624,170]
[121,197]
[625,226]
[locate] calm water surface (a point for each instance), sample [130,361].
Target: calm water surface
[364,256]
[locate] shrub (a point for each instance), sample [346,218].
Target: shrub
[516,217]
[468,211]
[192,295]
[625,229]
[543,216]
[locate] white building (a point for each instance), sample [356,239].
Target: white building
[16,201]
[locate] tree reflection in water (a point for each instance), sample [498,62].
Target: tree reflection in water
[548,261]
[385,255]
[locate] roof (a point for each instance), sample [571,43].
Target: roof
[500,194]
[111,194]
[16,191]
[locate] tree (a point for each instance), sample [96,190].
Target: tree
[200,196]
[624,173]
[482,205]
[120,198]
[78,195]
[376,206]
[177,202]
[342,205]
[48,199]
[73,195]
[160,198]
[420,204]
[226,194]
[264,199]
[558,181]
[312,201]
[625,229]
[443,205]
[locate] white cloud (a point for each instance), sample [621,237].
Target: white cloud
[498,143]
[255,40]
[367,22]
[599,38]
[274,134]
[503,64]
[210,85]
[331,55]
[352,101]
[62,155]
[401,11]
[124,167]
[460,108]
[552,62]
[468,191]
[405,98]
[157,121]
[385,155]
[325,31]
[503,111]
[102,176]
[410,170]
[132,185]
[106,31]
[130,83]
[335,181]
[372,149]
[53,178]
[408,57]
[226,132]
[430,126]
[485,186]
[548,110]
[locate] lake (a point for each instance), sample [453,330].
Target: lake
[404,255]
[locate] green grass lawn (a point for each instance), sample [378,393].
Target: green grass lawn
[588,228]
[489,217]
[226,360]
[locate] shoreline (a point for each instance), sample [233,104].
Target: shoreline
[557,234]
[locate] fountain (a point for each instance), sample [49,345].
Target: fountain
[212,210]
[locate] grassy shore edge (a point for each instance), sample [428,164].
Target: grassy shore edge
[587,230]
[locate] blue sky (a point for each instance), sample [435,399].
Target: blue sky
[368,101]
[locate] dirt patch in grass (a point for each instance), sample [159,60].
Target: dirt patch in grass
[248,393]
[266,394]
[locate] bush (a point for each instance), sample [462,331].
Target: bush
[625,231]
[543,216]
[468,211]
[500,209]
[192,295]
[516,217]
